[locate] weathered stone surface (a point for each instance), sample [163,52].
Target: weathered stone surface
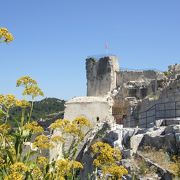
[127,133]
[126,153]
[135,142]
[96,109]
[166,142]
[172,129]
[177,140]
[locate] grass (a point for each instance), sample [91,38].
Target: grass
[163,159]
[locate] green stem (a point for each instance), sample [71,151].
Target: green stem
[32,104]
[22,117]
[7,115]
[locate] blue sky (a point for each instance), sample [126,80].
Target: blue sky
[53,38]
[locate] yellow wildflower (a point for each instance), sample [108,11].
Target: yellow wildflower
[64,167]
[3,31]
[33,91]
[4,128]
[2,99]
[106,159]
[115,170]
[76,165]
[8,100]
[42,142]
[6,35]
[42,161]
[36,173]
[25,81]
[14,176]
[59,123]
[57,139]
[68,127]
[19,167]
[81,121]
[33,127]
[22,103]
[72,129]
[105,154]
[97,163]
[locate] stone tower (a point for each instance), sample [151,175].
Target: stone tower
[101,75]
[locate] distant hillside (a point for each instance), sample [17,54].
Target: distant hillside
[45,109]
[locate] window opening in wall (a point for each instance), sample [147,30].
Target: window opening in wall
[132,92]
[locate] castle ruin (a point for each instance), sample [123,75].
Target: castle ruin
[141,108]
[121,96]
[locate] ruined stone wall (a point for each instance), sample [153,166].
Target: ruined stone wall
[174,70]
[166,106]
[148,75]
[101,75]
[138,84]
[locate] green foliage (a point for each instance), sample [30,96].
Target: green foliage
[44,109]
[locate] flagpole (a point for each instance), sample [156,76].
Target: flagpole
[106,47]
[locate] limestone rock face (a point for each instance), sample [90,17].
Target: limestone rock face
[133,139]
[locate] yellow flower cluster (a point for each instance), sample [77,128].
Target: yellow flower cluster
[8,100]
[19,167]
[59,123]
[22,103]
[33,91]
[57,139]
[42,142]
[6,35]
[2,98]
[116,171]
[64,167]
[25,81]
[4,128]
[106,154]
[36,173]
[14,176]
[31,87]
[33,127]
[81,121]
[42,161]
[107,158]
[73,128]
